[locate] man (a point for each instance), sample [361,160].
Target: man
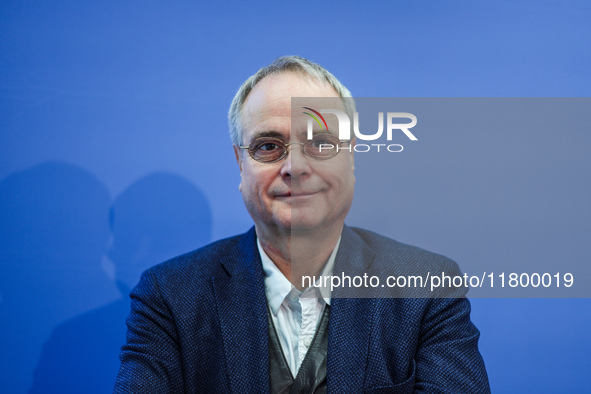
[235,316]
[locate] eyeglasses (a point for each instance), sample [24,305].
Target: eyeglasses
[270,149]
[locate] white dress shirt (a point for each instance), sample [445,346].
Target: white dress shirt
[295,314]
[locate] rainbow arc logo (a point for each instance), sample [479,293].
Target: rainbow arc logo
[316,119]
[345,130]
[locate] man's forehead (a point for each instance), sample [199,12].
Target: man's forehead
[274,92]
[257,110]
[269,106]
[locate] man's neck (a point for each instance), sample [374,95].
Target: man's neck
[299,253]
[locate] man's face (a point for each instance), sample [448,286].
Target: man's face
[298,192]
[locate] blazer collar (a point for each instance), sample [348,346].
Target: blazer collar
[243,258]
[350,319]
[242,311]
[354,256]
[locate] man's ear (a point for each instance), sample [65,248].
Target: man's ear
[353,142]
[238,153]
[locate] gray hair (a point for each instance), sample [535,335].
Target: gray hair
[295,64]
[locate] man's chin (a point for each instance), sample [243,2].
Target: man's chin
[300,220]
[301,228]
[305,224]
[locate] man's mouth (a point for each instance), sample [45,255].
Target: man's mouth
[296,194]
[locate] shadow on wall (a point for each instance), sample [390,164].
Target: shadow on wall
[53,234]
[54,222]
[158,217]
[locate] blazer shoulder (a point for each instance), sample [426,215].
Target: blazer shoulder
[200,263]
[411,256]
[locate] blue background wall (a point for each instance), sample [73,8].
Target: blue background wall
[114,155]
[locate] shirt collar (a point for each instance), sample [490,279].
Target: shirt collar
[277,286]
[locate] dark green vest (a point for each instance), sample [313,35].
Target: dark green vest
[311,377]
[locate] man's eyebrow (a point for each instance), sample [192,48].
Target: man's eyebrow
[303,135]
[268,133]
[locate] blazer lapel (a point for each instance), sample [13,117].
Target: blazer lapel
[242,311]
[350,319]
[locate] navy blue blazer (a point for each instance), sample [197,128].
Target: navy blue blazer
[198,324]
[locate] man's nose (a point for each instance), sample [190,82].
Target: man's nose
[296,163]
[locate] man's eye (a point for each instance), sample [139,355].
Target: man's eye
[316,142]
[269,146]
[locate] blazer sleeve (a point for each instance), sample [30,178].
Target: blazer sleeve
[448,360]
[151,358]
